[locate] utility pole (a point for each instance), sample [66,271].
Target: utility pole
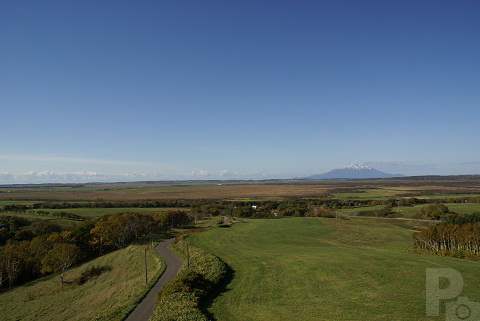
[188,255]
[146,276]
[151,241]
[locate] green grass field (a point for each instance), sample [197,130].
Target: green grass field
[386,193]
[383,193]
[8,202]
[469,208]
[60,221]
[107,296]
[410,211]
[325,269]
[88,212]
[352,211]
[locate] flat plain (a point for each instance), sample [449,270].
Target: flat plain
[280,189]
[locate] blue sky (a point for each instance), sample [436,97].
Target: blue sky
[244,89]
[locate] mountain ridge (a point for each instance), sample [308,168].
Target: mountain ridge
[353,171]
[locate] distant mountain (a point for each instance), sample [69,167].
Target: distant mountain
[352,171]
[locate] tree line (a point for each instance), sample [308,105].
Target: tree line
[458,240]
[287,207]
[30,251]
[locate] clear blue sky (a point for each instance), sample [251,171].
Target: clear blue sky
[284,88]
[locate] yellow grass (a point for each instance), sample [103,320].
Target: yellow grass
[108,296]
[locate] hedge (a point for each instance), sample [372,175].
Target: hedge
[180,299]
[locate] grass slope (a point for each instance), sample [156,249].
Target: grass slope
[107,296]
[325,269]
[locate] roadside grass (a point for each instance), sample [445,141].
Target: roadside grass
[325,269]
[110,287]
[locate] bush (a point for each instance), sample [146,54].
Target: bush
[435,211]
[182,306]
[180,299]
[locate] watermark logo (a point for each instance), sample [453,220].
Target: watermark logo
[447,284]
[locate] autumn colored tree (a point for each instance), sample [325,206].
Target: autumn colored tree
[3,273]
[39,247]
[171,219]
[11,261]
[435,211]
[450,239]
[60,258]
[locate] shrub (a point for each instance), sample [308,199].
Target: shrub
[180,299]
[377,213]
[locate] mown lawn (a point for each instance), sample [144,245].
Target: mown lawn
[325,269]
[106,296]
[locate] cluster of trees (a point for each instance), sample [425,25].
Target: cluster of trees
[18,229]
[66,215]
[463,219]
[16,208]
[459,240]
[62,214]
[121,204]
[26,260]
[67,205]
[435,212]
[431,211]
[49,249]
[383,212]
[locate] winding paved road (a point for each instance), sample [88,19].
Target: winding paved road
[144,309]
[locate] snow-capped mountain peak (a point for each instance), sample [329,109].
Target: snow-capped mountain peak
[352,171]
[355,166]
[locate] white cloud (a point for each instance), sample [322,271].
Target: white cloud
[224,174]
[68,177]
[86,177]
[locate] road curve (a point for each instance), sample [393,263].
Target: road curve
[144,309]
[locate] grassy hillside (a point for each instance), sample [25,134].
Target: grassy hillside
[325,269]
[106,293]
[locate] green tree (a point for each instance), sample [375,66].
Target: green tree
[435,211]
